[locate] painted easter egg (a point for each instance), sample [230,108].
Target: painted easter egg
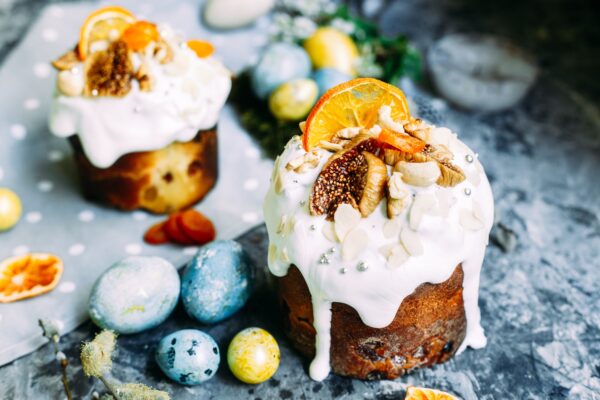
[217,282]
[188,356]
[253,355]
[326,78]
[279,63]
[10,209]
[135,294]
[330,48]
[293,100]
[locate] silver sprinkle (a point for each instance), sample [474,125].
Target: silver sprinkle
[324,259]
[467,191]
[302,203]
[94,92]
[299,147]
[469,158]
[362,266]
[295,180]
[137,109]
[332,250]
[343,270]
[313,228]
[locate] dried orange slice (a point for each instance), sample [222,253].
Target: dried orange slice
[202,48]
[103,24]
[140,35]
[418,393]
[29,275]
[402,142]
[350,104]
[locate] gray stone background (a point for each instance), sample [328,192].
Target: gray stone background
[540,301]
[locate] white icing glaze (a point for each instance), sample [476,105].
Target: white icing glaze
[187,96]
[377,292]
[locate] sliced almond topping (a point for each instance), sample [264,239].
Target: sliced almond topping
[304,162]
[469,220]
[295,163]
[284,255]
[473,176]
[398,195]
[329,232]
[278,183]
[272,256]
[385,120]
[445,201]
[398,256]
[348,133]
[423,204]
[346,218]
[286,225]
[356,242]
[329,146]
[411,242]
[391,228]
[386,249]
[419,174]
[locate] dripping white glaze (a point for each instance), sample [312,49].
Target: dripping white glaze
[297,237]
[187,96]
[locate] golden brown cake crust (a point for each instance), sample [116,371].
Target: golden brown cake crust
[428,328]
[160,181]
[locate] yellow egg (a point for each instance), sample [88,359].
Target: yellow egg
[330,48]
[10,209]
[292,101]
[253,355]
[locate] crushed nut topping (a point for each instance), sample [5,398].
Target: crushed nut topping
[143,77]
[163,52]
[109,72]
[66,61]
[398,195]
[304,162]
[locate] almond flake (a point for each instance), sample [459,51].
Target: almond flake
[473,176]
[398,195]
[423,203]
[348,133]
[391,228]
[445,201]
[398,256]
[356,242]
[272,256]
[346,218]
[329,232]
[284,255]
[411,242]
[386,250]
[334,147]
[386,120]
[419,174]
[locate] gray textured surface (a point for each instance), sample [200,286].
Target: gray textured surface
[540,302]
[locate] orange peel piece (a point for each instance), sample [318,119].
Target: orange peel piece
[402,142]
[30,275]
[140,34]
[419,393]
[202,48]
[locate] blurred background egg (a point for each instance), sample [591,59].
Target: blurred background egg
[293,100]
[253,355]
[10,209]
[188,356]
[135,294]
[330,48]
[326,78]
[217,282]
[278,63]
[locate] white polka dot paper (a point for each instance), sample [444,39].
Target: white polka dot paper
[56,218]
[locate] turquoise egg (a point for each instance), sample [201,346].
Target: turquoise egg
[188,356]
[326,78]
[217,282]
[279,63]
[135,294]
[293,100]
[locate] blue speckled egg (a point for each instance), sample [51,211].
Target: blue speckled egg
[135,294]
[188,356]
[279,63]
[326,78]
[217,282]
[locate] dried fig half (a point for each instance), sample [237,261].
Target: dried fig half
[355,176]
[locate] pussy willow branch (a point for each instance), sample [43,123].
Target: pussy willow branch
[52,334]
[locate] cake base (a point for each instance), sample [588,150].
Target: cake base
[428,328]
[160,181]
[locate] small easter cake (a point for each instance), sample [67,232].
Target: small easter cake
[378,224]
[140,107]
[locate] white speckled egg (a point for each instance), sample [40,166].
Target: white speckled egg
[135,294]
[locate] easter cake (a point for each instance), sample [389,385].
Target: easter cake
[378,224]
[140,107]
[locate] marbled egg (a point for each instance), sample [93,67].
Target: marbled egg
[253,355]
[330,48]
[292,100]
[279,63]
[217,282]
[135,294]
[326,78]
[188,356]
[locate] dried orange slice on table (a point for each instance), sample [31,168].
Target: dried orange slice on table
[107,23]
[355,103]
[419,393]
[29,275]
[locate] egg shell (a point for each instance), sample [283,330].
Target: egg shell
[293,100]
[135,294]
[278,63]
[217,282]
[188,356]
[330,48]
[10,209]
[326,78]
[253,355]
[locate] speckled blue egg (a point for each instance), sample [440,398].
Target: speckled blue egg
[188,356]
[217,282]
[326,78]
[279,63]
[135,294]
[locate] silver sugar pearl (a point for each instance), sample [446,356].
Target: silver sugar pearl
[295,180]
[332,250]
[302,203]
[324,259]
[313,227]
[467,191]
[362,266]
[137,109]
[343,270]
[469,158]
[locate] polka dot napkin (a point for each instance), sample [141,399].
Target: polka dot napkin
[38,166]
